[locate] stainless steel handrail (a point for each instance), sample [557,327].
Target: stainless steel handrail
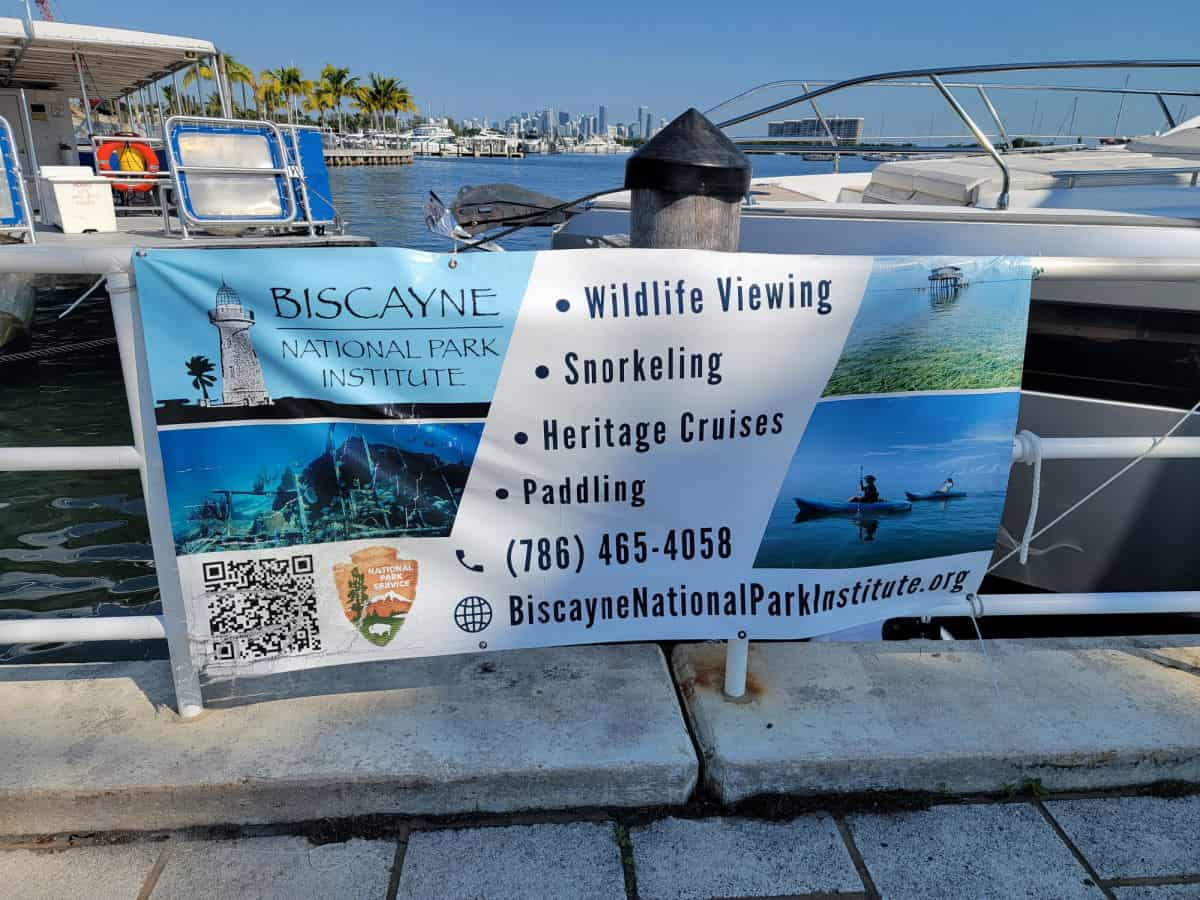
[1002,200]
[884,77]
[935,77]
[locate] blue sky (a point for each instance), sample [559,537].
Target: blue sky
[909,443]
[475,58]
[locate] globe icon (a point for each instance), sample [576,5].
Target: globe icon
[473,614]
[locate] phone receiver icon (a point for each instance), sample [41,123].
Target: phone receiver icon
[462,558]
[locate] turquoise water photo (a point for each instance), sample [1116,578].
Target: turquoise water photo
[937,327]
[909,444]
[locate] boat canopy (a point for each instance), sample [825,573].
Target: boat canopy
[41,55]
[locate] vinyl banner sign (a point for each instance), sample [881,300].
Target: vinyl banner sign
[374,453]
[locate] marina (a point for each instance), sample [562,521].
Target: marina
[319,504]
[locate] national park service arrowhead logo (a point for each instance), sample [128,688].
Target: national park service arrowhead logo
[377,590]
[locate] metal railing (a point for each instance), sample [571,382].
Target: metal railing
[16,176]
[281,174]
[936,78]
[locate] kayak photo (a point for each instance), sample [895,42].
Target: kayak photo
[880,480]
[936,326]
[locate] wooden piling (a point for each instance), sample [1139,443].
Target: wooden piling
[687,185]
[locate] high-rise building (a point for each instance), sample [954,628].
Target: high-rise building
[603,121]
[648,128]
[563,117]
[641,122]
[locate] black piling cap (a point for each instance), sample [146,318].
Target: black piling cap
[690,156]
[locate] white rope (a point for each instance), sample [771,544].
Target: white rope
[1100,487]
[971,601]
[1032,447]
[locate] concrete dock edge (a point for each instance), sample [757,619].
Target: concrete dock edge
[941,717]
[99,747]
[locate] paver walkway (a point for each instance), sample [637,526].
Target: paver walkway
[1122,848]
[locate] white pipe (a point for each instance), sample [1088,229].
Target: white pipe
[1107,448]
[1079,268]
[737,659]
[122,297]
[65,459]
[72,630]
[1074,604]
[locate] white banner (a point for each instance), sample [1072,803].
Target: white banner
[387,456]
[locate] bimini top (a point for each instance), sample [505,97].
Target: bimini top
[116,61]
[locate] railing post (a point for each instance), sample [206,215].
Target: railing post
[737,661]
[122,296]
[687,185]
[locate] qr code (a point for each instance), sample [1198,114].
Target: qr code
[262,608]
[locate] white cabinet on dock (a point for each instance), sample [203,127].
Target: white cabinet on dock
[77,200]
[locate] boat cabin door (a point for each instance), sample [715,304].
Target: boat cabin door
[53,131]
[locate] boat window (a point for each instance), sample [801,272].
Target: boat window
[1145,356]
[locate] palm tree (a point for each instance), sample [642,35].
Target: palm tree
[293,86]
[319,100]
[199,367]
[240,73]
[339,84]
[269,93]
[388,95]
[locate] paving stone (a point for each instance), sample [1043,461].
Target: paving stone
[518,862]
[1134,837]
[273,868]
[81,873]
[951,852]
[682,859]
[1158,892]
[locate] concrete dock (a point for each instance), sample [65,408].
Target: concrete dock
[943,717]
[99,748]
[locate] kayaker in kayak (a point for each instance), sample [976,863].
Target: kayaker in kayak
[947,486]
[867,492]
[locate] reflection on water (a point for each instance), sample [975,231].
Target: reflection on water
[935,528]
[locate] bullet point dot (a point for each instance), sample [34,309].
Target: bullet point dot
[542,371]
[520,437]
[563,305]
[501,493]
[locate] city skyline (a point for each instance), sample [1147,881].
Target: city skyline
[579,57]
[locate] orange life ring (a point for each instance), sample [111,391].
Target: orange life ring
[139,156]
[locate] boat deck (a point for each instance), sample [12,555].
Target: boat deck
[96,254]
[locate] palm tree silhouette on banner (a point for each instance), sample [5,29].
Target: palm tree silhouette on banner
[199,367]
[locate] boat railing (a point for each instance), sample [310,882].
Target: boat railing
[936,78]
[17,219]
